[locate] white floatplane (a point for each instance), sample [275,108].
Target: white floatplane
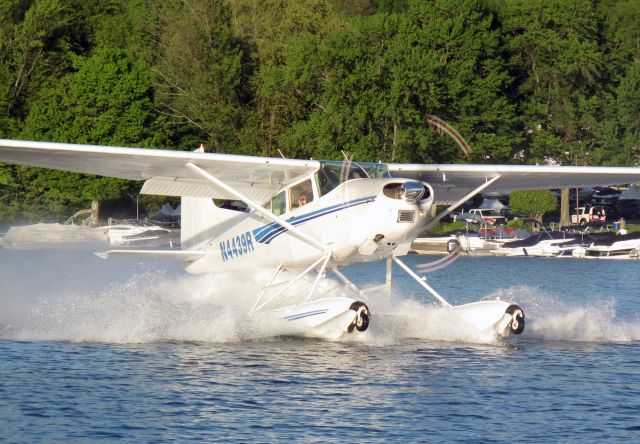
[307,218]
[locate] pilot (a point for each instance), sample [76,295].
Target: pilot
[302,199]
[356,175]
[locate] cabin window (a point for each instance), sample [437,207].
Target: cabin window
[300,194]
[333,173]
[279,204]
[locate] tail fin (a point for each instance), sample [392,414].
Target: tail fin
[200,218]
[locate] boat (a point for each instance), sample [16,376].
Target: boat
[137,232]
[480,243]
[544,243]
[615,245]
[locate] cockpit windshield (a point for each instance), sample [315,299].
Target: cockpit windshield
[333,173]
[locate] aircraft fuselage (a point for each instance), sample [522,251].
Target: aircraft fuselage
[359,221]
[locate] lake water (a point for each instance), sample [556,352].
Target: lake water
[94,350]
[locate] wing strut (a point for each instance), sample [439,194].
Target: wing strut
[420,281]
[461,201]
[256,207]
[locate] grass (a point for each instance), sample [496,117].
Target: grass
[450,227]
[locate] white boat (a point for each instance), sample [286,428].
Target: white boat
[136,232]
[544,243]
[616,245]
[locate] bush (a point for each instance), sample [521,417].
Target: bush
[518,224]
[448,227]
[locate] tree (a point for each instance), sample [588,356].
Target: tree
[628,108]
[535,203]
[621,33]
[369,87]
[107,101]
[127,25]
[272,31]
[199,71]
[34,46]
[560,71]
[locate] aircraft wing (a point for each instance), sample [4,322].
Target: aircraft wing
[452,182]
[164,171]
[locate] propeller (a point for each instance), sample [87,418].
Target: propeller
[451,131]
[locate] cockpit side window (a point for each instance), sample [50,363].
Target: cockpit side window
[279,204]
[355,172]
[328,177]
[332,173]
[300,194]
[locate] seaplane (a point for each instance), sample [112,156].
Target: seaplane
[305,220]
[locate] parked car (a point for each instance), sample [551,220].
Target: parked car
[587,215]
[489,215]
[611,211]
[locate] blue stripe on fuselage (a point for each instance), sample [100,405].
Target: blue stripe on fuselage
[267,233]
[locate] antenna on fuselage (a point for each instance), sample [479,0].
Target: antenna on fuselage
[281,155]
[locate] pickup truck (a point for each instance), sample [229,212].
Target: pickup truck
[483,215]
[587,215]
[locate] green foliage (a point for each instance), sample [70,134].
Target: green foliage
[559,68]
[199,69]
[522,80]
[277,29]
[449,227]
[34,44]
[108,100]
[535,203]
[369,87]
[517,224]
[621,31]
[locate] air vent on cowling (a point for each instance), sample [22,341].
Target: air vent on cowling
[408,216]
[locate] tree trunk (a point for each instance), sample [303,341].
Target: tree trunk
[95,211]
[395,141]
[564,208]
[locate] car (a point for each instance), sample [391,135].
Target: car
[489,216]
[611,211]
[589,214]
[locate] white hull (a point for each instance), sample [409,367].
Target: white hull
[132,234]
[537,251]
[544,244]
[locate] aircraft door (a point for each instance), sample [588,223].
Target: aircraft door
[279,204]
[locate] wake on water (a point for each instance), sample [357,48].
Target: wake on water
[47,296]
[152,306]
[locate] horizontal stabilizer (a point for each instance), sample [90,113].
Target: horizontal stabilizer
[183,255]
